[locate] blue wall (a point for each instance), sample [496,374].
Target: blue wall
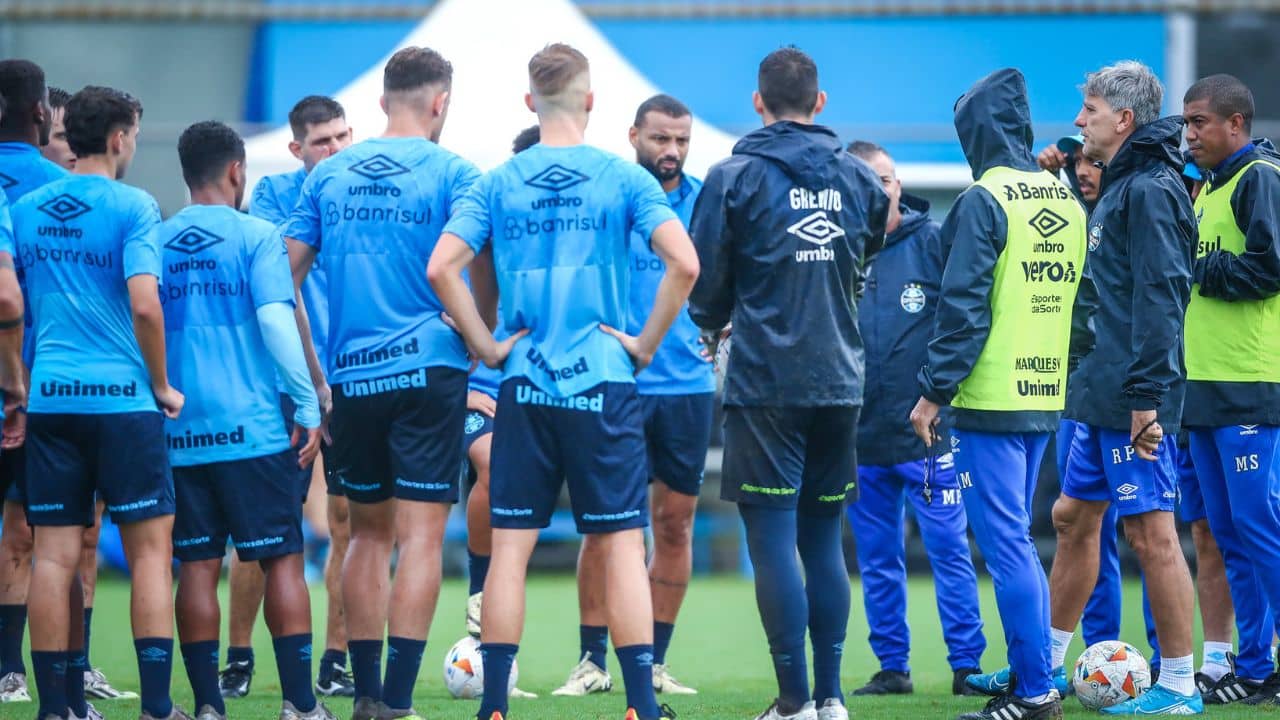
[893,80]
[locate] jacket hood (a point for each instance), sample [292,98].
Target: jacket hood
[1157,141]
[993,122]
[915,214]
[808,154]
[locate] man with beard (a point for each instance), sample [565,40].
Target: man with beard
[677,394]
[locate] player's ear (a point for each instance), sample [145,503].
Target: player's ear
[634,136]
[757,103]
[382,103]
[440,103]
[528,102]
[822,102]
[236,174]
[591,100]
[295,148]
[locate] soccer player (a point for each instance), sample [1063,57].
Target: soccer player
[791,215]
[229,297]
[560,218]
[1233,389]
[57,151]
[95,422]
[677,395]
[998,357]
[319,126]
[24,128]
[1127,393]
[372,214]
[895,322]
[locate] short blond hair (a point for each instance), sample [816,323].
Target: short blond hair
[554,68]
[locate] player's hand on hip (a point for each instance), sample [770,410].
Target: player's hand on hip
[924,416]
[1145,434]
[640,355]
[497,355]
[15,427]
[481,403]
[169,400]
[309,450]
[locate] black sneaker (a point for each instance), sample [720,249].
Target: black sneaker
[335,681]
[1226,689]
[958,686]
[1268,693]
[235,679]
[887,682]
[1011,707]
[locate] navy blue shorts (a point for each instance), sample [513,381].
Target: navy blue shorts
[404,443]
[121,456]
[1191,503]
[256,502]
[1103,467]
[677,432]
[594,441]
[791,457]
[477,426]
[13,472]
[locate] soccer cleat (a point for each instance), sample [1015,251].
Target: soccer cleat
[585,679]
[665,682]
[958,686]
[1159,700]
[666,713]
[1012,707]
[1268,693]
[389,713]
[806,712]
[208,713]
[338,682]
[97,687]
[13,688]
[996,683]
[1226,689]
[888,682]
[176,713]
[473,614]
[1061,683]
[833,709]
[289,712]
[365,709]
[235,679]
[91,713]
[518,693]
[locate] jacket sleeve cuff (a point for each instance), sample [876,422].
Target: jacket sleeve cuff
[931,391]
[1141,402]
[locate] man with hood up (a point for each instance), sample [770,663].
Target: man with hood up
[896,321]
[782,230]
[1127,393]
[999,358]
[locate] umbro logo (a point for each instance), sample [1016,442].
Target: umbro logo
[153,654]
[1127,489]
[556,178]
[816,228]
[64,207]
[1047,222]
[378,167]
[7,181]
[1248,429]
[192,240]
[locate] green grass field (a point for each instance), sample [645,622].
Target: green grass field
[719,648]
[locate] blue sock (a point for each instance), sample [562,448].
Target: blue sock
[366,667]
[637,675]
[240,655]
[332,661]
[827,589]
[404,659]
[661,641]
[477,571]
[77,666]
[594,643]
[51,685]
[780,595]
[13,624]
[155,664]
[293,662]
[497,659]
[201,660]
[88,620]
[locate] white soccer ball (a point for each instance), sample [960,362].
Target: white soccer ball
[464,670]
[1109,673]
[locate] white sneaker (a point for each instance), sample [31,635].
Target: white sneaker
[833,709]
[473,614]
[208,713]
[97,687]
[664,682]
[585,679]
[91,714]
[806,712]
[518,693]
[289,712]
[13,688]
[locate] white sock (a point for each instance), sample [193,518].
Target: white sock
[1178,674]
[1040,699]
[1061,641]
[1215,663]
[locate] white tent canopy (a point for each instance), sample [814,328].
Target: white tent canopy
[490,61]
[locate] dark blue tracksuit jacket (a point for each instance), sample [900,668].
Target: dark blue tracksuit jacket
[783,262]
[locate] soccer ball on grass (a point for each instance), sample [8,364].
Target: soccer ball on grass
[464,670]
[1109,673]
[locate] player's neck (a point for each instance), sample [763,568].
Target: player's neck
[102,165]
[29,135]
[213,195]
[404,125]
[673,183]
[562,130]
